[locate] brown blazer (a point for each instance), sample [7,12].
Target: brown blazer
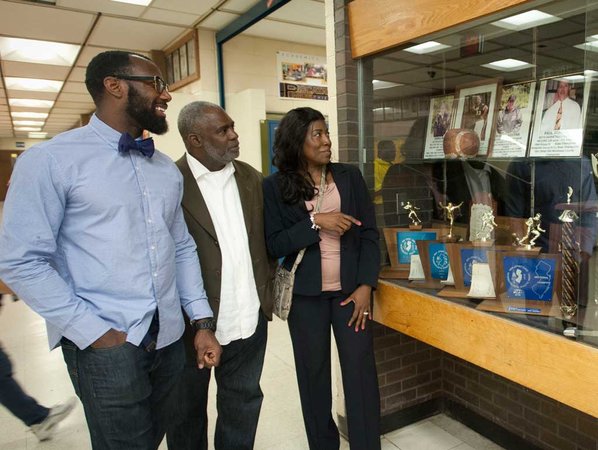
[201,228]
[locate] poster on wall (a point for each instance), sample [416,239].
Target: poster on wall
[302,76]
[439,121]
[560,113]
[514,120]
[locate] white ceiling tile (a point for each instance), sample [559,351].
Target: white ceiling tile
[74,97]
[74,87]
[31,94]
[241,6]
[78,106]
[166,16]
[90,51]
[44,23]
[218,20]
[78,75]
[60,109]
[303,11]
[103,6]
[26,70]
[288,32]
[134,35]
[197,7]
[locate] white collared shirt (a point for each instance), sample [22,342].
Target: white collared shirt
[239,301]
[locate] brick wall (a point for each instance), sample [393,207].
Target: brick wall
[417,381]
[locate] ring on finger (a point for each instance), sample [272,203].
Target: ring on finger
[365,313]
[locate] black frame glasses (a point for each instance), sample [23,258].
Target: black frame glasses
[159,84]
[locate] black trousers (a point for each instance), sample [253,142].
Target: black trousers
[238,401]
[310,321]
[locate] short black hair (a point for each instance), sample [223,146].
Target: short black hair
[105,64]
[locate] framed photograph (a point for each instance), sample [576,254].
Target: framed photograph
[183,61]
[560,114]
[476,106]
[514,120]
[439,121]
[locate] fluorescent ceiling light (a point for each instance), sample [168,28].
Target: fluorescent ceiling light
[28,123]
[427,47]
[135,2]
[586,74]
[39,52]
[508,65]
[379,84]
[588,46]
[529,19]
[33,84]
[29,115]
[37,135]
[28,129]
[30,103]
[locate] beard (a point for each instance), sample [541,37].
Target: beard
[145,116]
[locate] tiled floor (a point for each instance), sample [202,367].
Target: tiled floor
[44,376]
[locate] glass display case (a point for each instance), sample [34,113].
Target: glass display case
[485,141]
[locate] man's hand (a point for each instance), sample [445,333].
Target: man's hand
[208,349]
[111,338]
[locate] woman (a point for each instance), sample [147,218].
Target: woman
[333,283]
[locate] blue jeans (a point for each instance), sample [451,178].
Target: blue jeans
[123,390]
[239,398]
[14,399]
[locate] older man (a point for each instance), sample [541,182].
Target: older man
[223,208]
[564,113]
[94,240]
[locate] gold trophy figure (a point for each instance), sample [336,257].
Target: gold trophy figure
[416,223]
[533,232]
[449,212]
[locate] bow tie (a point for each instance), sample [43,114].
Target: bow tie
[145,146]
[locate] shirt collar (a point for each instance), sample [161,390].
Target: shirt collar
[104,131]
[199,170]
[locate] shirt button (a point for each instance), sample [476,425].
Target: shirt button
[144,193]
[155,274]
[149,220]
[153,247]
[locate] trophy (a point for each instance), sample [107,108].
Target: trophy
[570,271]
[484,234]
[449,212]
[416,223]
[533,232]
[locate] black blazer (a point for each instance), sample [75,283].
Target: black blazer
[288,230]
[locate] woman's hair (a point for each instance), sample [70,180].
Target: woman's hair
[290,136]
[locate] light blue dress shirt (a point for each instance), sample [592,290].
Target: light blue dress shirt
[94,239]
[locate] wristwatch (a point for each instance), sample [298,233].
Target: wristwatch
[204,324]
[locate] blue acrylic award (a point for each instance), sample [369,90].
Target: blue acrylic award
[406,245]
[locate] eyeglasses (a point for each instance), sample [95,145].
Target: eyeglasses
[159,84]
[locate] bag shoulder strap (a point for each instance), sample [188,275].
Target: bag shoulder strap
[317,209]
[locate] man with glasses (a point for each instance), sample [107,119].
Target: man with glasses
[94,240]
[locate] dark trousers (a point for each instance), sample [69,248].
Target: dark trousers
[15,399]
[124,390]
[238,401]
[309,324]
